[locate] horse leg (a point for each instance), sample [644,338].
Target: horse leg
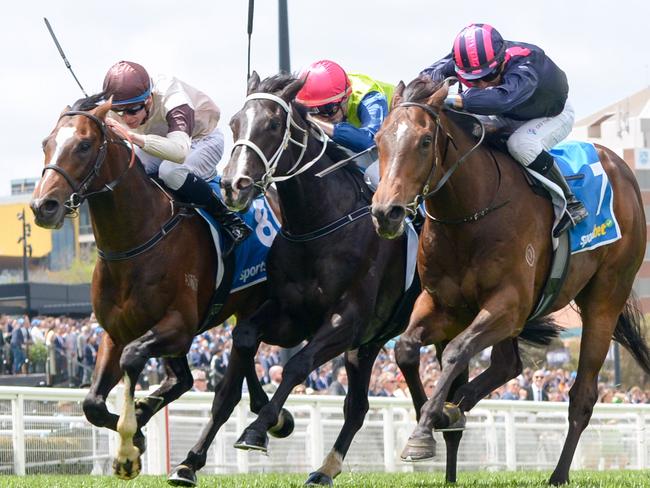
[330,340]
[598,327]
[106,375]
[492,325]
[225,400]
[178,380]
[453,436]
[407,349]
[358,364]
[505,364]
[167,338]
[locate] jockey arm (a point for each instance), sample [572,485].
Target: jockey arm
[372,112]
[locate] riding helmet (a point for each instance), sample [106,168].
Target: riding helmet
[127,82]
[326,83]
[478,50]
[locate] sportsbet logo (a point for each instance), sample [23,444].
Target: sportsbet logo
[249,273]
[599,231]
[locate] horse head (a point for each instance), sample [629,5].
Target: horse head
[407,144]
[262,131]
[74,153]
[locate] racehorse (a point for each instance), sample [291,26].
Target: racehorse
[155,276]
[484,256]
[333,281]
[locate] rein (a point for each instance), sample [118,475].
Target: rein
[426,193]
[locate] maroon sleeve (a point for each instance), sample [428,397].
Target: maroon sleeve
[181,118]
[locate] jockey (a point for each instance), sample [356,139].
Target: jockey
[174,127]
[350,108]
[523,92]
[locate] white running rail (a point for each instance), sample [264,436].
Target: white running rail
[43,430]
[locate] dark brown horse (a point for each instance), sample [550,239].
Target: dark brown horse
[332,280]
[155,277]
[484,260]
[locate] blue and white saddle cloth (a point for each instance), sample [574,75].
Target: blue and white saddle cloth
[250,255]
[587,178]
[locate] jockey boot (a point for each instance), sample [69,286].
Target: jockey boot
[198,192]
[575,210]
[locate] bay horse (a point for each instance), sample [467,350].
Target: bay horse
[484,256]
[154,278]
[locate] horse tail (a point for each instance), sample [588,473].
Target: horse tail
[540,331]
[629,332]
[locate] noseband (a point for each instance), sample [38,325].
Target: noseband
[79,190]
[271,164]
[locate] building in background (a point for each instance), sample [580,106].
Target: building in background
[624,127]
[51,249]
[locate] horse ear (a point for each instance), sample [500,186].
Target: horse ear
[439,95]
[292,89]
[66,109]
[253,82]
[101,110]
[398,95]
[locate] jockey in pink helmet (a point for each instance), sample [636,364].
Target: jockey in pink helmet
[174,127]
[349,108]
[514,87]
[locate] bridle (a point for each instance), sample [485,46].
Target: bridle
[271,164]
[426,193]
[80,189]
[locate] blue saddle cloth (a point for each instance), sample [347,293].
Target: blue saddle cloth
[585,174]
[250,255]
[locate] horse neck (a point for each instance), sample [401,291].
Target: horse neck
[131,213]
[308,201]
[473,184]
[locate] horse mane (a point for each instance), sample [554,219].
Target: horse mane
[88,103]
[420,89]
[276,83]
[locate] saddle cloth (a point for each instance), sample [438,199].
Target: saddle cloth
[250,255]
[580,165]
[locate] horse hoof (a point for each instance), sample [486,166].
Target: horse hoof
[319,479]
[251,440]
[557,480]
[140,441]
[182,475]
[455,419]
[418,449]
[285,425]
[127,470]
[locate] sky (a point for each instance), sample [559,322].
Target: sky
[601,45]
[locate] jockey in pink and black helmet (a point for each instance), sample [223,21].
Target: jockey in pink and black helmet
[524,93]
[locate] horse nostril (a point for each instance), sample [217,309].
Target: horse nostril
[49,207]
[396,213]
[242,183]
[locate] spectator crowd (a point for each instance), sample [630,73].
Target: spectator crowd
[65,350]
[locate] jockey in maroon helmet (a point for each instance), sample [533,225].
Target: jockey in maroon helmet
[174,127]
[517,88]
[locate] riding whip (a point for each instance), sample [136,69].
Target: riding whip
[65,60]
[251,8]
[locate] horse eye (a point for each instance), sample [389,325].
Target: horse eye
[84,146]
[274,124]
[427,141]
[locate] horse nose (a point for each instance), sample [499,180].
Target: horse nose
[46,211]
[45,208]
[388,218]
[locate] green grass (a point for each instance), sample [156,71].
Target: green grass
[579,479]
